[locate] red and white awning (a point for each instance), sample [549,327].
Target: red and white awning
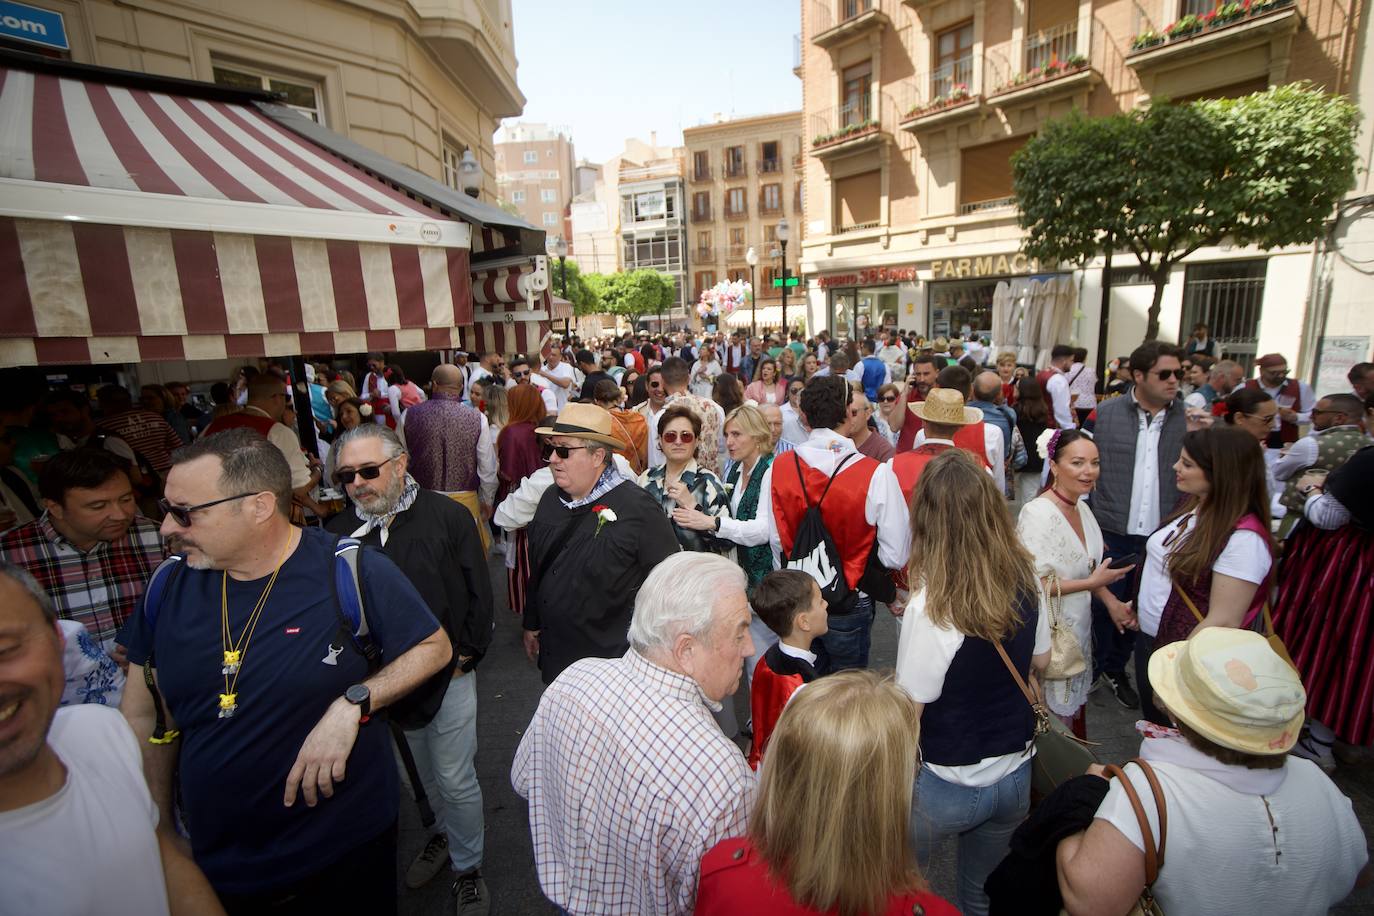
[511,305]
[138,225]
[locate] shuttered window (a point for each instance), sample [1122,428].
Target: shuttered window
[985,171]
[1046,14]
[857,200]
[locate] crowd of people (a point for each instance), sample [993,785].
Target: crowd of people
[685,521]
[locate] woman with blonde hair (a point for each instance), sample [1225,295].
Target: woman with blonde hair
[787,363]
[829,828]
[976,613]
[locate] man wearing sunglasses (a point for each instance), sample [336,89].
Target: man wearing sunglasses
[436,545]
[254,663]
[522,373]
[1294,397]
[1140,438]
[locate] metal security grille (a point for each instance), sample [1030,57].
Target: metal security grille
[1228,299]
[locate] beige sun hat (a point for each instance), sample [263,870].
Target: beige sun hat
[1230,687]
[946,406]
[583,421]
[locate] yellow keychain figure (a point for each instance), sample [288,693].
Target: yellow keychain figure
[228,705]
[232,658]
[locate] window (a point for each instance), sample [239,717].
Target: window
[734,162]
[452,154]
[298,94]
[985,175]
[704,280]
[858,201]
[517,197]
[953,60]
[797,196]
[651,205]
[770,236]
[550,219]
[531,157]
[770,159]
[770,273]
[548,195]
[770,199]
[701,205]
[1228,297]
[704,246]
[701,165]
[857,83]
[735,205]
[737,274]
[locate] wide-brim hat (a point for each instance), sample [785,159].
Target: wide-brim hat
[946,406]
[583,421]
[1231,688]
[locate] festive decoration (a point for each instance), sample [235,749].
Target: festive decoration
[604,516]
[723,298]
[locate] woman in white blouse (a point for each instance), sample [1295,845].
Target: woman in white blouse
[1059,530]
[704,371]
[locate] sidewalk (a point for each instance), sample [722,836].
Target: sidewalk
[508,690]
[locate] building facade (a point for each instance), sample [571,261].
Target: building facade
[913,110]
[419,82]
[743,176]
[653,223]
[535,174]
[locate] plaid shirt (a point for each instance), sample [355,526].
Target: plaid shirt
[630,781]
[98,588]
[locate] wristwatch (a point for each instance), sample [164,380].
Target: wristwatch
[360,697]
[717,528]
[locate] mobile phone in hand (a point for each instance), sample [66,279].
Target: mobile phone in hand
[1128,560]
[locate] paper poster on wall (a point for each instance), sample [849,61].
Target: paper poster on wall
[1334,361]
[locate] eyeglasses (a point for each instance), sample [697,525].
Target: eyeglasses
[371,472]
[562,451]
[672,437]
[888,399]
[1164,374]
[1265,418]
[182,514]
[519,374]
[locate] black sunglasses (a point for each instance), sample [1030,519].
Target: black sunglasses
[183,513]
[1163,374]
[518,374]
[371,472]
[562,451]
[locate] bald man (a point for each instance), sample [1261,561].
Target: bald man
[451,448]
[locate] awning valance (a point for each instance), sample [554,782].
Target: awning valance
[767,316]
[138,224]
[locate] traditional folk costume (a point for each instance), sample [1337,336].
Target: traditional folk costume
[780,673]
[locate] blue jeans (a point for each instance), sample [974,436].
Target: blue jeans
[983,820]
[1111,650]
[444,751]
[845,644]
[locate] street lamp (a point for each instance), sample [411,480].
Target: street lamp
[751,257]
[469,174]
[783,233]
[559,249]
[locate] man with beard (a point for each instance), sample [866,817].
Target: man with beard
[274,694]
[924,370]
[66,775]
[435,543]
[90,550]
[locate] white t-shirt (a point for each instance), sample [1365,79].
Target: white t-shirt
[1245,556]
[924,654]
[1296,850]
[561,394]
[538,381]
[86,849]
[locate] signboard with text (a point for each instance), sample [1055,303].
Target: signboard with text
[999,265]
[21,22]
[1335,360]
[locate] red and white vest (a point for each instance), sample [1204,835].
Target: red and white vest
[843,509]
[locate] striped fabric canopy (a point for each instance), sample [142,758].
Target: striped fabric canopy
[138,225]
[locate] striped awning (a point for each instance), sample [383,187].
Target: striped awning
[511,307]
[142,225]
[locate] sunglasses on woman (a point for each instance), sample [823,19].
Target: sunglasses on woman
[672,437]
[371,472]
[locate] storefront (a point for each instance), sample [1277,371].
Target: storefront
[867,301]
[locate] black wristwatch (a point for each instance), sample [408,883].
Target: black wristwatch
[360,697]
[717,529]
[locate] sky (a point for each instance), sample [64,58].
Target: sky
[612,69]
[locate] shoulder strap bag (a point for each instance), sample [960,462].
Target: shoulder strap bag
[1266,622]
[1059,754]
[1066,653]
[1154,853]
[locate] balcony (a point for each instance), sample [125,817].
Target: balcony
[735,215]
[736,169]
[985,206]
[737,252]
[939,98]
[768,166]
[700,173]
[849,128]
[702,215]
[773,209]
[835,22]
[1268,26]
[1048,64]
[705,254]
[796,55]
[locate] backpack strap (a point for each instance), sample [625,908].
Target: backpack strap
[348,594]
[833,474]
[152,603]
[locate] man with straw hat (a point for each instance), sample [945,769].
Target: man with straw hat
[1247,828]
[942,415]
[593,540]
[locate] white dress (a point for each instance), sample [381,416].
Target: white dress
[1046,533]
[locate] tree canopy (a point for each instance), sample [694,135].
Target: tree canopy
[581,291]
[633,293]
[1163,181]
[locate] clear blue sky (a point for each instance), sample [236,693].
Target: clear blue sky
[614,69]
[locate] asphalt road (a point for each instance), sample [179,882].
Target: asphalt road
[508,689]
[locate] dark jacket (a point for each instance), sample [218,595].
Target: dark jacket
[1115,431]
[583,583]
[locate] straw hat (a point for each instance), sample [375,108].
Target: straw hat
[946,406]
[1230,687]
[583,421]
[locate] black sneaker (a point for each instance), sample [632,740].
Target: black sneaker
[470,894]
[431,860]
[1120,686]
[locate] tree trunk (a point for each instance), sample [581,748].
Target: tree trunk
[1161,279]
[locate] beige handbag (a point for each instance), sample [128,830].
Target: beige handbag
[1066,654]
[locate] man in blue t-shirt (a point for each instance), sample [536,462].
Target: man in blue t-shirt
[257,668]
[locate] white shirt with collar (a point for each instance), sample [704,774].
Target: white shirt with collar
[1145,509]
[794,652]
[792,428]
[1057,389]
[993,451]
[284,438]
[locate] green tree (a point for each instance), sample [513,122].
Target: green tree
[1164,181]
[581,292]
[634,293]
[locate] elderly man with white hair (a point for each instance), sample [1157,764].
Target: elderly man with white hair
[628,777]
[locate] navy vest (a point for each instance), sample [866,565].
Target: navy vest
[981,712]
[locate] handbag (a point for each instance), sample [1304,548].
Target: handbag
[1060,755]
[1265,621]
[1066,654]
[1154,854]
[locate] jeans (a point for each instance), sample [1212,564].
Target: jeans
[1111,649]
[983,820]
[845,644]
[1144,648]
[444,751]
